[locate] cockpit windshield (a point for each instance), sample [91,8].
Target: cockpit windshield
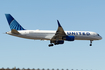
[98,34]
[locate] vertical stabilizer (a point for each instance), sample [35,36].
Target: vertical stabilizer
[13,23]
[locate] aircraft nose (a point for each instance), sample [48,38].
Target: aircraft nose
[100,37]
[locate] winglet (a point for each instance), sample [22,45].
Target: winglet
[59,24]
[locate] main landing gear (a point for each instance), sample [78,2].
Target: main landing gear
[90,42]
[50,45]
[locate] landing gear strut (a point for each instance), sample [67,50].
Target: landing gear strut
[90,42]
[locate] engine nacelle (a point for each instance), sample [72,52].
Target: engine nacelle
[59,42]
[69,38]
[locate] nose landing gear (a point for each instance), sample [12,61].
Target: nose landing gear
[90,42]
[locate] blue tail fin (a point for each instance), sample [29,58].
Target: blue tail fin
[13,23]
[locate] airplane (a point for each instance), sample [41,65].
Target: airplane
[56,37]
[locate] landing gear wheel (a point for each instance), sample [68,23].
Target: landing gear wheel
[50,45]
[90,42]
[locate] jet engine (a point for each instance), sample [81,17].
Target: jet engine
[59,42]
[69,38]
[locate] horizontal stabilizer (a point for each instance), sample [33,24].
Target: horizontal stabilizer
[14,31]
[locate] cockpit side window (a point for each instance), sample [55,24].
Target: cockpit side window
[98,34]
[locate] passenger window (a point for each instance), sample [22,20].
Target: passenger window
[83,33]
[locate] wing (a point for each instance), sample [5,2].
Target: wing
[59,33]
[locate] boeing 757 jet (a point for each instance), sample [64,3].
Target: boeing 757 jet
[56,37]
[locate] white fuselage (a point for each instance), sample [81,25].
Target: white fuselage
[48,34]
